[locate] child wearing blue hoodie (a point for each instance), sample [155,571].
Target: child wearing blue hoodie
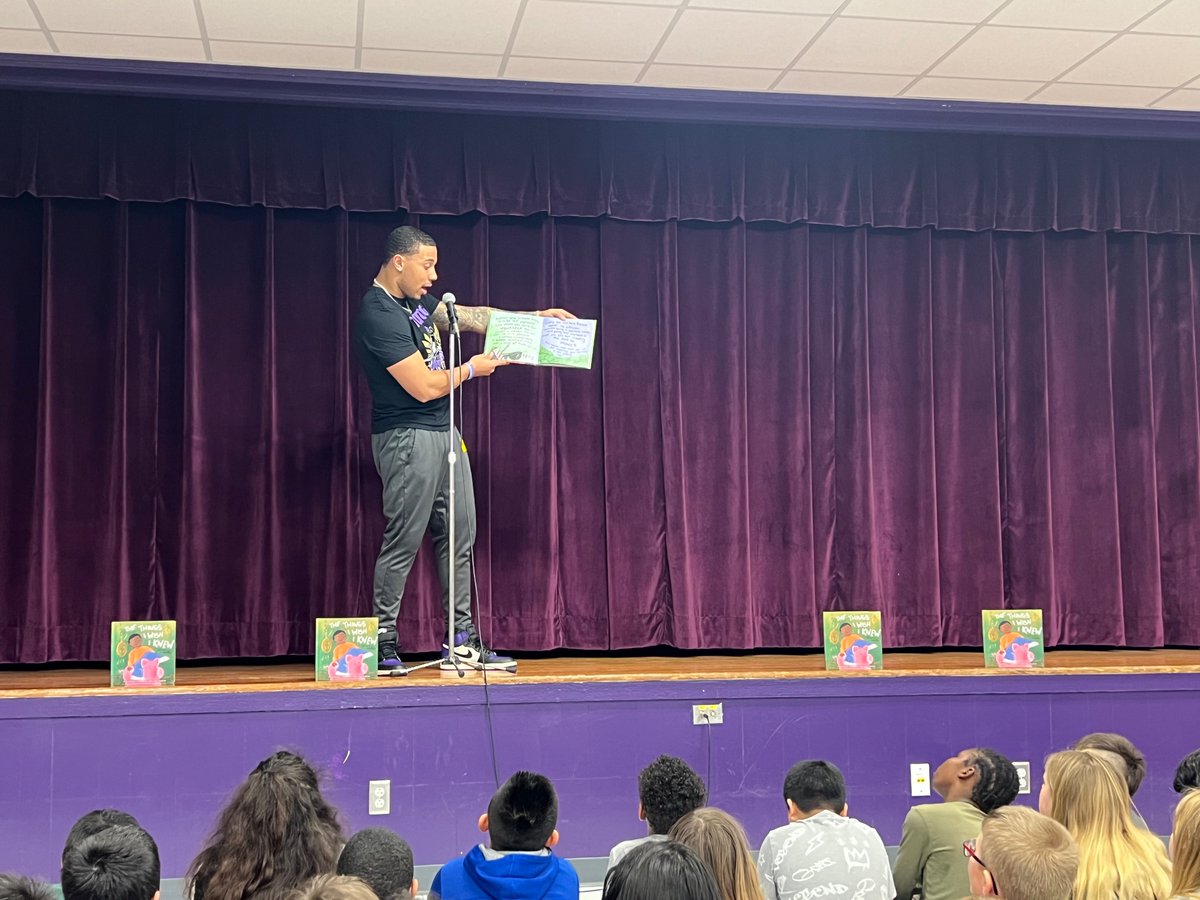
[519,863]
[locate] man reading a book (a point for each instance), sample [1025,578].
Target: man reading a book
[398,339]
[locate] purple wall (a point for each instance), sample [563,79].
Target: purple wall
[172,759]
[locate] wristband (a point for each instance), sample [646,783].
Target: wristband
[470,372]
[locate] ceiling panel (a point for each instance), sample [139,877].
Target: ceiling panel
[850,84]
[416,62]
[572,70]
[22,41]
[972,11]
[871,45]
[123,46]
[1142,59]
[716,38]
[162,18]
[1177,17]
[591,30]
[1187,99]
[973,89]
[1106,15]
[710,77]
[292,56]
[283,21]
[1098,95]
[822,7]
[1035,54]
[17,14]
[453,26]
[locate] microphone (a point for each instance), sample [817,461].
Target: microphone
[451,313]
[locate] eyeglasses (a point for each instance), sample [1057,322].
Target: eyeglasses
[969,853]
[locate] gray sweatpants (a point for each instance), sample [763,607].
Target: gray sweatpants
[416,498]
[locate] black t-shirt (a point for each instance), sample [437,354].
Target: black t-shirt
[383,335]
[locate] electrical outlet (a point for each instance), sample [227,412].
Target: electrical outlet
[1024,776]
[379,798]
[708,714]
[918,776]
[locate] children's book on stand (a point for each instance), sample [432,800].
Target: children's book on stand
[142,654]
[853,641]
[347,649]
[1013,639]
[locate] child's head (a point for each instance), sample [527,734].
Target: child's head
[18,887]
[719,839]
[811,786]
[95,822]
[523,814]
[661,870]
[668,789]
[118,863]
[383,860]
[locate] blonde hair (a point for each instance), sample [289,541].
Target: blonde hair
[719,839]
[1185,847]
[1030,856]
[1117,860]
[334,887]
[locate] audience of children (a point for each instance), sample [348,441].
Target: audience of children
[279,839]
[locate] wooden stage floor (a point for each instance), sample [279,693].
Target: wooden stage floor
[75,681]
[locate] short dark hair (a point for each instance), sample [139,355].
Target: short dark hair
[669,789]
[95,822]
[405,240]
[382,859]
[1118,746]
[661,870]
[118,863]
[18,887]
[523,813]
[998,781]
[1187,773]
[815,784]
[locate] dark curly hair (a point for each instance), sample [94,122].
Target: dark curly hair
[669,789]
[276,833]
[1187,773]
[998,782]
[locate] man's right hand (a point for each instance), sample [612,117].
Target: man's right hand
[485,364]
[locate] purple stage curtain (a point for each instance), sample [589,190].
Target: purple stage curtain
[243,154]
[782,419]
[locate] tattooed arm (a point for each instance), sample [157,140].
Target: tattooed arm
[476,318]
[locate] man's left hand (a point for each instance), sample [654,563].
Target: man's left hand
[555,313]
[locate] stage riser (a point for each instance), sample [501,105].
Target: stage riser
[172,760]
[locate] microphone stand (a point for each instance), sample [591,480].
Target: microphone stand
[452,459]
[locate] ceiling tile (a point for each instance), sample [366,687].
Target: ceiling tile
[454,26]
[123,46]
[1178,17]
[711,37]
[573,71]
[970,11]
[591,30]
[17,14]
[1097,95]
[820,7]
[715,77]
[1142,59]
[973,89]
[14,40]
[283,21]
[292,56]
[1180,100]
[1106,15]
[671,3]
[161,18]
[871,45]
[1036,54]
[447,65]
[846,84]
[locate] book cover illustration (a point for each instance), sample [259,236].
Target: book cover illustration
[142,654]
[853,641]
[1013,639]
[347,649]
